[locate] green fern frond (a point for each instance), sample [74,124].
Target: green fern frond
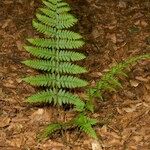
[85,124]
[59,44]
[56,81]
[55,54]
[51,129]
[57,97]
[53,66]
[109,81]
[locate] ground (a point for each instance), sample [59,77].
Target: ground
[113,31]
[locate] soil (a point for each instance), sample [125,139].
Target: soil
[113,30]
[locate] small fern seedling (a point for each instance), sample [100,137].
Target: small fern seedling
[110,80]
[55,55]
[80,121]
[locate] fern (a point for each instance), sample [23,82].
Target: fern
[82,121]
[53,20]
[56,59]
[109,81]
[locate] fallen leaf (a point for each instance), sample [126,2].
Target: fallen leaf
[17,141]
[19,45]
[119,110]
[130,109]
[53,145]
[144,23]
[95,33]
[96,145]
[40,115]
[2,94]
[122,4]
[8,1]
[4,121]
[112,37]
[134,83]
[6,23]
[141,79]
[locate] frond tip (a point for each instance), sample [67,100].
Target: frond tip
[109,82]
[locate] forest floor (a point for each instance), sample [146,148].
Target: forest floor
[114,31]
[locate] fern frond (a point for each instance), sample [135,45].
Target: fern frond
[63,34]
[53,66]
[85,124]
[55,54]
[59,44]
[109,81]
[51,129]
[57,97]
[56,81]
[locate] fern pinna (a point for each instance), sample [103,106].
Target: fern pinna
[55,55]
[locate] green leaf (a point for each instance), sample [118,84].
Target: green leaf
[109,81]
